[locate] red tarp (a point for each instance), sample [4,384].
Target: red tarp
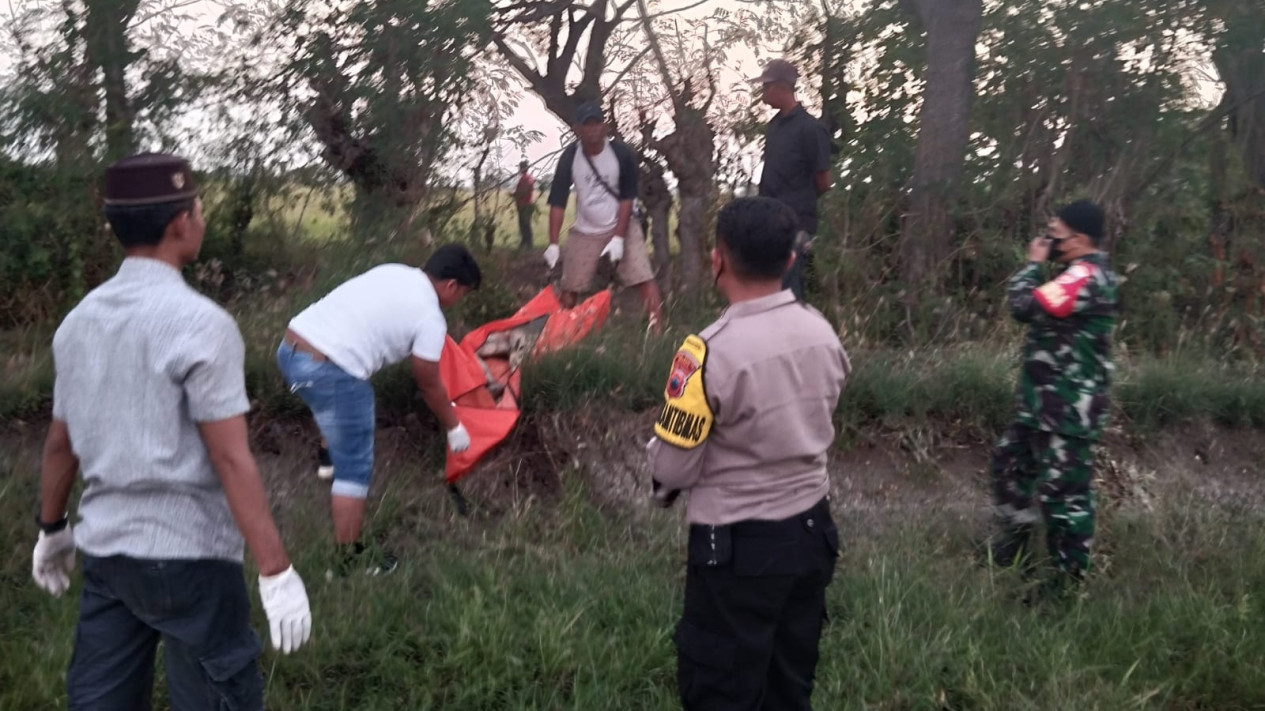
[490,413]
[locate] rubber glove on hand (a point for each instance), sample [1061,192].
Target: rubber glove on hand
[285,603]
[53,560]
[458,438]
[551,255]
[614,249]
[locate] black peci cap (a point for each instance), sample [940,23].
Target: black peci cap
[149,179]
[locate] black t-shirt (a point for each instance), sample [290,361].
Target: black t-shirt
[796,148]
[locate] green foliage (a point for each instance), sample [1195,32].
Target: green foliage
[968,389]
[1189,388]
[380,84]
[52,242]
[1060,92]
[616,369]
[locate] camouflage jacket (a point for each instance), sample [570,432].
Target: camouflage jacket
[1067,357]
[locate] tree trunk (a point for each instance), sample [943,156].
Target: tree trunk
[690,152]
[106,23]
[1242,70]
[835,56]
[1219,216]
[658,202]
[943,134]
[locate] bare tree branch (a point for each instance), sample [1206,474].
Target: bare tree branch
[660,59]
[631,64]
[163,10]
[621,9]
[711,73]
[678,10]
[518,63]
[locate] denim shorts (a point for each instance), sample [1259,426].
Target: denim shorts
[343,408]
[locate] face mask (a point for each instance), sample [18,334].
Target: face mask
[1056,249]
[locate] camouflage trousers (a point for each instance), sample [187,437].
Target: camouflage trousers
[1058,471]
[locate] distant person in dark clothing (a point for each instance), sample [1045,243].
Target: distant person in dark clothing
[796,162]
[524,194]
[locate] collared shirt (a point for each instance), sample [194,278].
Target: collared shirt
[773,374]
[796,149]
[140,362]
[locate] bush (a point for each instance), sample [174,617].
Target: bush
[53,244]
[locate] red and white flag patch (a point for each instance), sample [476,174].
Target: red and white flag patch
[1058,297]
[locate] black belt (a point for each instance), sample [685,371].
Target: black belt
[714,545]
[814,516]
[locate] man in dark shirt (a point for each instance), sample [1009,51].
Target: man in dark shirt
[796,162]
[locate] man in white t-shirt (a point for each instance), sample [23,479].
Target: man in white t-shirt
[330,351]
[604,173]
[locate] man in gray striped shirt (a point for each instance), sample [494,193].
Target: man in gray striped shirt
[149,403]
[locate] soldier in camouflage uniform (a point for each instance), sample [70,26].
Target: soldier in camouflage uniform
[1047,452]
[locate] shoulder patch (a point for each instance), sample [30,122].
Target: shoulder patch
[686,419]
[1058,297]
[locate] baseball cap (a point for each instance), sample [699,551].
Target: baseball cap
[778,70]
[589,111]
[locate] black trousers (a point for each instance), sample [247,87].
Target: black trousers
[524,227]
[755,603]
[200,609]
[801,272]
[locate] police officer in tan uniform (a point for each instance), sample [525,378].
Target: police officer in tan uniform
[745,430]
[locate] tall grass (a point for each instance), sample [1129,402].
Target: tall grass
[968,389]
[571,606]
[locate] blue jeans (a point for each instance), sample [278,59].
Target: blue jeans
[343,408]
[201,611]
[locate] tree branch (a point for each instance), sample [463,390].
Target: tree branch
[623,72]
[534,11]
[575,28]
[595,57]
[677,10]
[621,9]
[662,61]
[519,64]
[711,73]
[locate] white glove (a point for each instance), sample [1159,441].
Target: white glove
[53,561]
[551,255]
[614,248]
[285,603]
[459,438]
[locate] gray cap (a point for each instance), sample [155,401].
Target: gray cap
[778,70]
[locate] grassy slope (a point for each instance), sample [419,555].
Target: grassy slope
[569,606]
